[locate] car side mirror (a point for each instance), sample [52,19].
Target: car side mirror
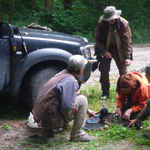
[5,31]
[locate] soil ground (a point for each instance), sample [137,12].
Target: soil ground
[141,58]
[11,139]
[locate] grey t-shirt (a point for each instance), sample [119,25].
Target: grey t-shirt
[68,88]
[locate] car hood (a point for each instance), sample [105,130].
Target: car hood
[51,35]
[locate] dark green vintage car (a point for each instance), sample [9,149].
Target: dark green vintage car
[30,57]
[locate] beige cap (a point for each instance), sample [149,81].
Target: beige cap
[77,62]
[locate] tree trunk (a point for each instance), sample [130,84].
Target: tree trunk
[67,4]
[33,4]
[99,6]
[49,5]
[11,11]
[1,17]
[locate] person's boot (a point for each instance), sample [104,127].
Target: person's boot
[104,97]
[84,138]
[147,135]
[138,126]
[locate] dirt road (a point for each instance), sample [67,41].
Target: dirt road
[141,57]
[9,138]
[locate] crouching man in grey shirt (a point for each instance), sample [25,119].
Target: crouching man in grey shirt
[59,102]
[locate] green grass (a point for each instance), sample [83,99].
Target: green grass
[6,127]
[113,137]
[94,92]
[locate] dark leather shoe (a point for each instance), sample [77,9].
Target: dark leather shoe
[147,135]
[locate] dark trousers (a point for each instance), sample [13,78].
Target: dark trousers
[133,115]
[104,69]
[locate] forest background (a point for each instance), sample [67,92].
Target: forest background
[78,17]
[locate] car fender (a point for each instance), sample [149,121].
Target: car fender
[30,60]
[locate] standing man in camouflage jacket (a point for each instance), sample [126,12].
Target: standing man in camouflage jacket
[113,40]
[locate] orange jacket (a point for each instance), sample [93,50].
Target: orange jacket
[139,97]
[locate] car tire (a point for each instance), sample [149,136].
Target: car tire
[33,84]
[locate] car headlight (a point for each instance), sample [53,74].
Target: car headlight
[86,50]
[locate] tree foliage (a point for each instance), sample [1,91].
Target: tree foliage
[67,4]
[76,16]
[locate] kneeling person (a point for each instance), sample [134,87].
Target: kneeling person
[59,102]
[145,113]
[133,93]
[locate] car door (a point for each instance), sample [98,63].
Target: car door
[4,63]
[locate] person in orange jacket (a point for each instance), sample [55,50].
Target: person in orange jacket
[133,93]
[145,113]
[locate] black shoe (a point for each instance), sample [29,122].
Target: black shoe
[138,126]
[147,135]
[104,97]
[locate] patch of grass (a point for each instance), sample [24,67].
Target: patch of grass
[94,92]
[114,133]
[10,110]
[108,138]
[6,127]
[37,145]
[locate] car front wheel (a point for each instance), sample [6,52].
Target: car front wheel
[33,84]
